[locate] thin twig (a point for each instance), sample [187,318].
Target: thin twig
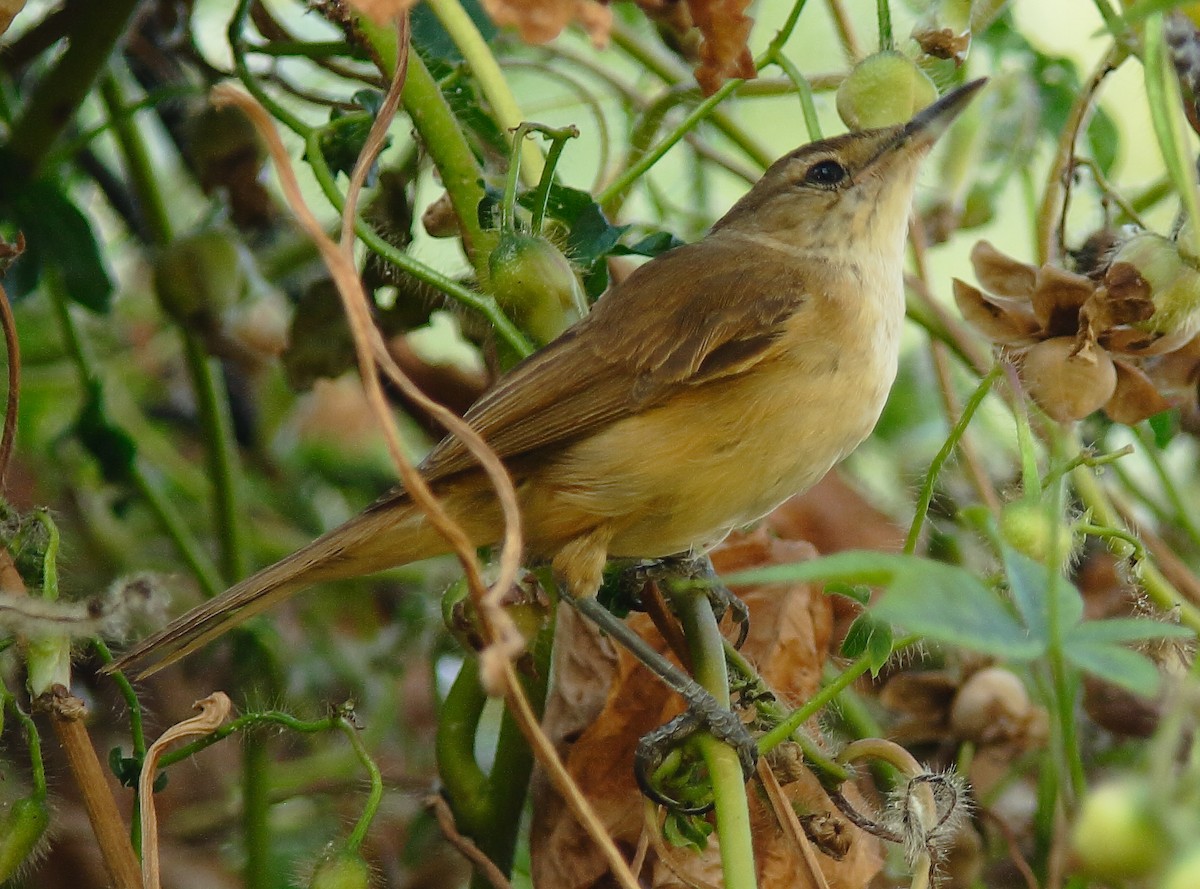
[14,385]
[790,824]
[485,867]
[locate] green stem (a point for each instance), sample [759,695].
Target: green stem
[613,195]
[508,779]
[454,747]
[33,740]
[92,29]
[803,714]
[706,646]
[541,193]
[50,559]
[490,78]
[256,809]
[807,106]
[1160,590]
[935,467]
[137,162]
[1183,515]
[1162,93]
[221,456]
[248,721]
[236,35]
[508,201]
[484,305]
[136,731]
[374,796]
[444,140]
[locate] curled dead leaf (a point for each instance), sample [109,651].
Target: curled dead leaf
[1001,274]
[1001,319]
[1135,397]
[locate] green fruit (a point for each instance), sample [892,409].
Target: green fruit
[20,830]
[198,276]
[342,870]
[532,279]
[1027,528]
[884,90]
[1118,834]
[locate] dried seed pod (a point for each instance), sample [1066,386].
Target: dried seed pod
[991,705]
[1068,384]
[1174,284]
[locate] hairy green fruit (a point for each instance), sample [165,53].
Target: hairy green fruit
[198,276]
[21,827]
[534,281]
[883,90]
[342,870]
[1118,835]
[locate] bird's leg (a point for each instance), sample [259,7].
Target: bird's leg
[691,568]
[703,711]
[580,567]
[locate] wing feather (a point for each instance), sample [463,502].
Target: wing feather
[634,350]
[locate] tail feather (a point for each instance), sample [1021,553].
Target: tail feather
[380,538]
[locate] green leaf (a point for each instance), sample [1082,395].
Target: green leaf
[1112,663]
[854,592]
[652,245]
[950,605]
[1104,139]
[1028,582]
[1126,629]
[111,446]
[1164,425]
[687,831]
[849,567]
[58,236]
[869,636]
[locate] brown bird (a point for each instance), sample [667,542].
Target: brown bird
[715,382]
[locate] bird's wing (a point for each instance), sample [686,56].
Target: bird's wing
[635,349]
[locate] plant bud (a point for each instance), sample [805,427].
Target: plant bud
[21,827]
[1119,834]
[883,90]
[1027,528]
[342,870]
[198,276]
[531,278]
[1068,386]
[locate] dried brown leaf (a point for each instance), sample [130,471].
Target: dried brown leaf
[1135,398]
[538,21]
[724,52]
[789,641]
[1001,274]
[1001,319]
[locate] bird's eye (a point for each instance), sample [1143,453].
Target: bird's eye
[825,173]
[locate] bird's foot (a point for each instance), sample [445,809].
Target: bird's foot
[703,713]
[698,569]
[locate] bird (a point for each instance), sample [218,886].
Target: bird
[713,383]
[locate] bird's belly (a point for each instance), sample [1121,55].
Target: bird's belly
[681,476]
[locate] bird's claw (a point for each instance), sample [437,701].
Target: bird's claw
[703,713]
[699,568]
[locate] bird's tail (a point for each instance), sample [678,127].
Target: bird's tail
[386,535]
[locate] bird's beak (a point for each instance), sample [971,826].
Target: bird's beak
[929,123]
